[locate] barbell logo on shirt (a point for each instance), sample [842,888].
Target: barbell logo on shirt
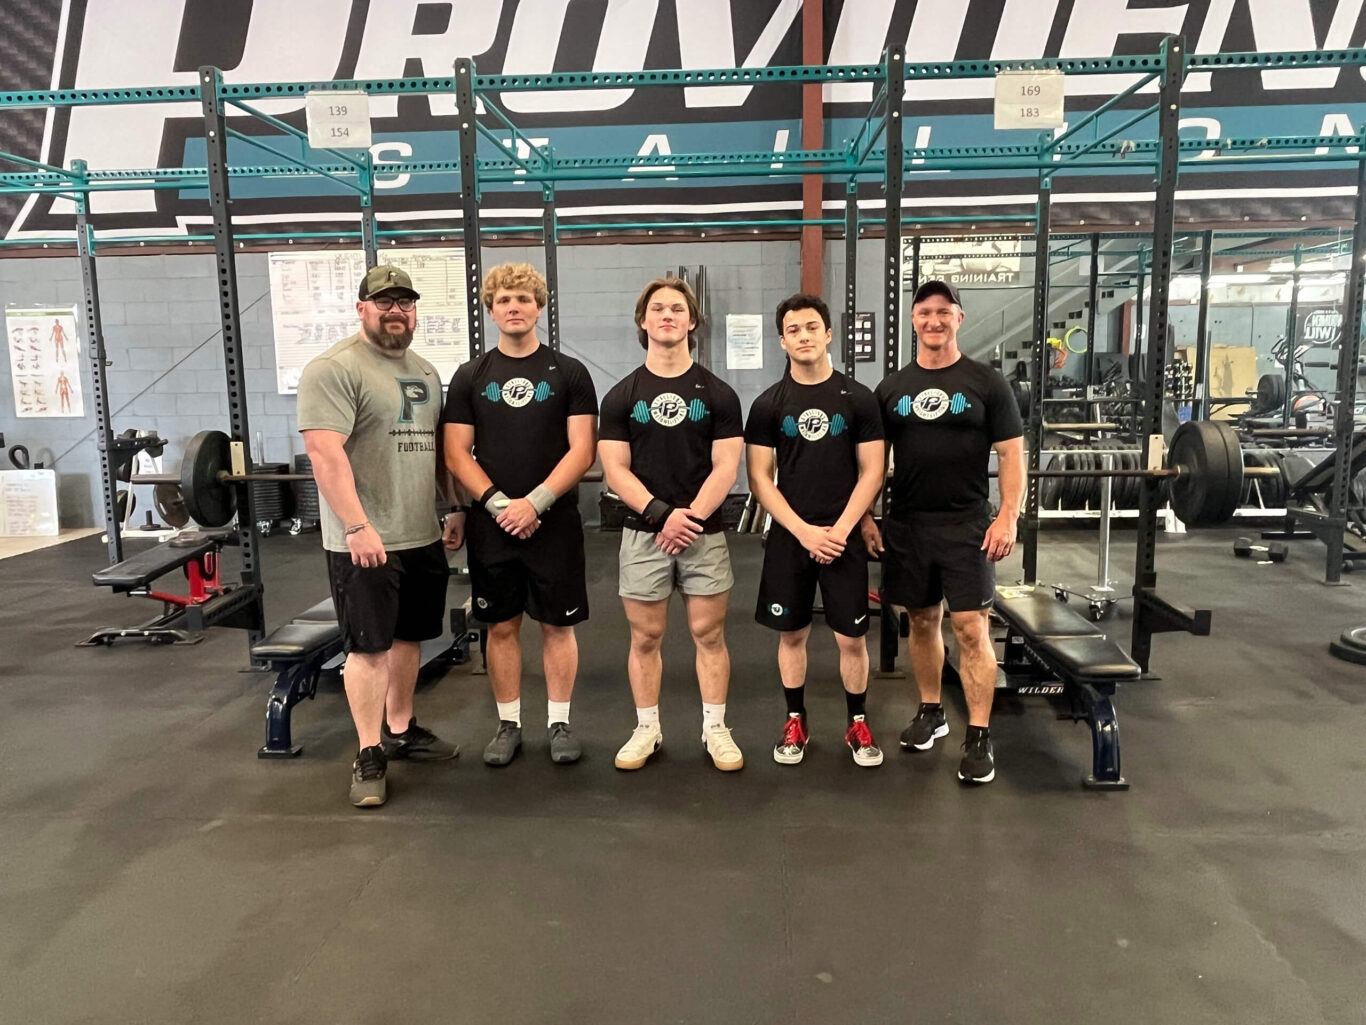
[959,403]
[668,410]
[930,404]
[813,425]
[415,393]
[517,392]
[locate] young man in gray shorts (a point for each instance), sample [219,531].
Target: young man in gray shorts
[670,438]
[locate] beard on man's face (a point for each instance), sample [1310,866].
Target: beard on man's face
[387,339]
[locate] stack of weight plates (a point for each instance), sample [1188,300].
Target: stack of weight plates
[269,500]
[305,493]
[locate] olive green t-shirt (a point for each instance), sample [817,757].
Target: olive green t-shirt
[388,408]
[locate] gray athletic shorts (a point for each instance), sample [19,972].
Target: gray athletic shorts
[647,574]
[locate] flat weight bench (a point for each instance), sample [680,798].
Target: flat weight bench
[300,651]
[1052,649]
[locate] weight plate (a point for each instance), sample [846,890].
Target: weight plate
[209,501]
[1270,393]
[170,506]
[1354,638]
[1347,654]
[1050,489]
[1210,461]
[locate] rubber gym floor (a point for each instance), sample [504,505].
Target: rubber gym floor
[154,870]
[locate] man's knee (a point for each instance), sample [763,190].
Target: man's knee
[925,622]
[507,630]
[851,646]
[971,630]
[709,635]
[794,639]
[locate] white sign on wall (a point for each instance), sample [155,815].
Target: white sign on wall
[313,306]
[1029,99]
[744,341]
[44,360]
[338,120]
[964,263]
[28,503]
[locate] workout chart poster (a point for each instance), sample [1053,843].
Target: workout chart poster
[44,361]
[313,306]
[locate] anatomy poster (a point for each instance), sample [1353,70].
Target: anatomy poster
[313,305]
[44,361]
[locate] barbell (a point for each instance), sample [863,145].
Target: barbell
[1204,464]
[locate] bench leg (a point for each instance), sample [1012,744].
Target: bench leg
[292,685]
[1105,774]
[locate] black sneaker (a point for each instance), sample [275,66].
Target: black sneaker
[979,761]
[928,726]
[367,778]
[564,746]
[416,742]
[505,744]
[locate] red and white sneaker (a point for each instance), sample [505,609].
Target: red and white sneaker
[792,747]
[860,740]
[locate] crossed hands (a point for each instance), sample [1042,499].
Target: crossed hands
[681,529]
[824,543]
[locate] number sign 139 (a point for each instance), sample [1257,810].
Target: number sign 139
[338,120]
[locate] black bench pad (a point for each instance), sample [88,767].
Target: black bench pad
[141,569]
[297,641]
[1084,659]
[1038,615]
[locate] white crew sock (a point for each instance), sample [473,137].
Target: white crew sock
[556,711]
[510,711]
[713,715]
[648,716]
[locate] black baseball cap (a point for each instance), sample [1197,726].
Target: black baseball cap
[387,280]
[929,288]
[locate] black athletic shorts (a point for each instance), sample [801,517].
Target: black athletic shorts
[787,588]
[403,600]
[542,576]
[937,556]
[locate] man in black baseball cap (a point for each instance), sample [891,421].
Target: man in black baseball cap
[943,415]
[929,288]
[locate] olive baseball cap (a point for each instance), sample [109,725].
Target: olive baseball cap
[385,278]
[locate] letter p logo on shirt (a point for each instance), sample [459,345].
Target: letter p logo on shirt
[415,393]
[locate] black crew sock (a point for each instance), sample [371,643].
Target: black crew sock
[931,706]
[796,700]
[975,732]
[856,703]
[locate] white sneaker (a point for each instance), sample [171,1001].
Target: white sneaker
[642,744]
[724,754]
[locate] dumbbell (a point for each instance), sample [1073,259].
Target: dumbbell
[1275,551]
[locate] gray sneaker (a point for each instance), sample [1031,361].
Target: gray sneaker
[416,742]
[505,744]
[367,778]
[564,746]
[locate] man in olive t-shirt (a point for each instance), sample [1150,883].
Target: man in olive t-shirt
[368,411]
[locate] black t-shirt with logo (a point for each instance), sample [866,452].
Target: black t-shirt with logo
[671,423]
[518,406]
[941,425]
[816,430]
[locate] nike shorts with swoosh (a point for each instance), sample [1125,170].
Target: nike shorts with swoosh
[787,587]
[542,576]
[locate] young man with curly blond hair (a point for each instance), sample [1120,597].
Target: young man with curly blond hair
[520,428]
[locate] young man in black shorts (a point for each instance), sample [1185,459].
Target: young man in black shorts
[823,434]
[520,427]
[671,440]
[368,411]
[943,415]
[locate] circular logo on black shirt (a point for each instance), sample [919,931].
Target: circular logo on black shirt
[668,409]
[813,424]
[931,404]
[518,392]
